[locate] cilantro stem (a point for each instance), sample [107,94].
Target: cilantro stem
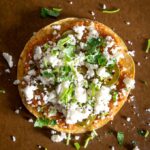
[111,11]
[87,141]
[148,46]
[68,138]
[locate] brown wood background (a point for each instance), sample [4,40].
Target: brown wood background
[20,18]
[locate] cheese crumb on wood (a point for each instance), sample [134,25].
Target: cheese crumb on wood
[8,58]
[13,138]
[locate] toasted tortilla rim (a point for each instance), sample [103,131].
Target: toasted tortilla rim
[127,61]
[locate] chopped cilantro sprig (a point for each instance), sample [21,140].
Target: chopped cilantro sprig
[41,122]
[46,12]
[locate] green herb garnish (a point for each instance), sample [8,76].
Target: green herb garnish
[114,96]
[47,74]
[54,12]
[64,74]
[120,137]
[148,46]
[96,58]
[46,46]
[93,55]
[41,122]
[77,145]
[111,11]
[94,43]
[66,95]
[63,42]
[144,133]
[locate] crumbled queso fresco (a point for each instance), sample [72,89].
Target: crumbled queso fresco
[75,76]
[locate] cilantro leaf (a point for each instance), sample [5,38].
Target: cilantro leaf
[40,122]
[93,44]
[47,74]
[102,61]
[53,122]
[96,58]
[93,55]
[54,12]
[77,145]
[120,137]
[91,59]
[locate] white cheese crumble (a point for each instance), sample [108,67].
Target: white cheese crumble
[112,148]
[127,23]
[56,27]
[80,94]
[52,96]
[53,132]
[131,53]
[130,43]
[13,138]
[138,63]
[90,73]
[29,92]
[54,60]
[7,70]
[92,13]
[103,97]
[82,45]
[129,83]
[37,53]
[70,2]
[93,33]
[79,30]
[58,138]
[30,120]
[77,137]
[104,6]
[32,72]
[73,39]
[17,111]
[16,82]
[8,58]
[147,110]
[102,73]
[136,148]
[128,119]
[75,114]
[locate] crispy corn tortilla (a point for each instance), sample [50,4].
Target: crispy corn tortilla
[43,34]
